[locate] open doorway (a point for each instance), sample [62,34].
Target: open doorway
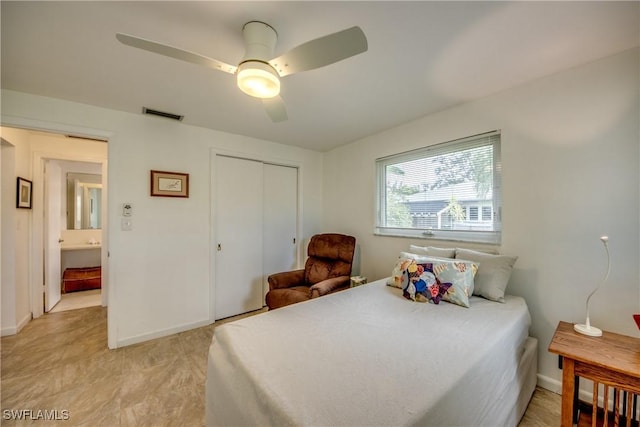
[35,151]
[73,234]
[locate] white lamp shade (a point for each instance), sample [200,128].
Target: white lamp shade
[258,79]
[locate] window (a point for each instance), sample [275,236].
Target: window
[447,191]
[473,213]
[486,213]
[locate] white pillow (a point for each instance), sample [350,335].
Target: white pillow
[493,273]
[433,251]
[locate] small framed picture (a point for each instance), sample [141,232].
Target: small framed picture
[24,191]
[169,184]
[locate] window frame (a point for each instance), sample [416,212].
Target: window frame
[489,237]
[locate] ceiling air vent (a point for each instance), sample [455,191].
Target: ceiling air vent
[164,114]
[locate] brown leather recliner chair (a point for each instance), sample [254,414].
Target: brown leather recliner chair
[327,270]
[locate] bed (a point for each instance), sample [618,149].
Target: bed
[367,356]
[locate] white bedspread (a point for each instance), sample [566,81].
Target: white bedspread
[369,357]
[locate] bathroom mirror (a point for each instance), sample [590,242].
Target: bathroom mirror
[84,201]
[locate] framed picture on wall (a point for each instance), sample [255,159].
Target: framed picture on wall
[24,192]
[169,184]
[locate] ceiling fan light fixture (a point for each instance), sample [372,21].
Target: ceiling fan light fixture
[258,79]
[258,74]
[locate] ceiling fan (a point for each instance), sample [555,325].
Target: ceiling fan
[258,73]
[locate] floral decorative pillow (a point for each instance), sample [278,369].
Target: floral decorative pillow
[423,285]
[400,275]
[424,279]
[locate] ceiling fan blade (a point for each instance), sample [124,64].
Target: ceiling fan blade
[174,52]
[321,51]
[275,109]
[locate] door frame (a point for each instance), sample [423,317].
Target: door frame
[217,151]
[38,229]
[37,218]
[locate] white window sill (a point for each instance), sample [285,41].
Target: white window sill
[490,238]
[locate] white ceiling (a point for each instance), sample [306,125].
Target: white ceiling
[423,57]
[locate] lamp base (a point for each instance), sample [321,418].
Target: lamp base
[588,330]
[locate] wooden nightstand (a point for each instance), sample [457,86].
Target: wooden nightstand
[611,360]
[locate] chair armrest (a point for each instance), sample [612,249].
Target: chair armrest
[327,286]
[285,279]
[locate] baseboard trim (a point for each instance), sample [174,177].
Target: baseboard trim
[13,330]
[5,332]
[25,320]
[550,384]
[555,386]
[160,334]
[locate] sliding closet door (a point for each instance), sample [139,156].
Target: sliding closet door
[239,276]
[280,219]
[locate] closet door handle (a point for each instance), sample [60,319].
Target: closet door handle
[60,240]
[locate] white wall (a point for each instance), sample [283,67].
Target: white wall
[16,308]
[571,161]
[160,271]
[7,239]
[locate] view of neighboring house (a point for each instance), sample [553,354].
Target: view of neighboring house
[454,207]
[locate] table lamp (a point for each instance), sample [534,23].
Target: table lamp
[586,328]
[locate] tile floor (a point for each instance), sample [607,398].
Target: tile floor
[75,300]
[60,362]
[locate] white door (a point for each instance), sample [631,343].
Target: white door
[238,213]
[280,240]
[52,232]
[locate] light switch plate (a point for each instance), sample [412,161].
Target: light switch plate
[126,224]
[127,209]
